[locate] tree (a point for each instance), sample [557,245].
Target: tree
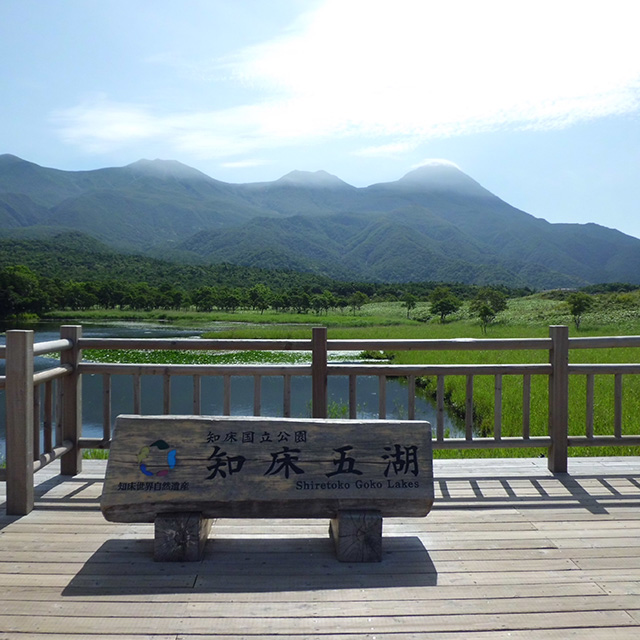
[317,303]
[141,297]
[300,301]
[444,302]
[486,314]
[342,303]
[579,303]
[229,299]
[110,293]
[78,295]
[279,302]
[329,300]
[409,301]
[21,293]
[322,302]
[356,300]
[487,304]
[260,297]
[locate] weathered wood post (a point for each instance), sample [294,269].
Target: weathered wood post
[71,417]
[559,399]
[319,372]
[19,414]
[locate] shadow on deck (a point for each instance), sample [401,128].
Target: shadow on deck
[508,551]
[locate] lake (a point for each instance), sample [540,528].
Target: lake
[212,387]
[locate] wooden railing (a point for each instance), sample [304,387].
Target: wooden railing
[47,405]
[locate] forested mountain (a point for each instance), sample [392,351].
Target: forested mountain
[435,223]
[136,207]
[78,257]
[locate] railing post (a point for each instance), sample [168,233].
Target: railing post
[19,415]
[71,417]
[319,372]
[559,399]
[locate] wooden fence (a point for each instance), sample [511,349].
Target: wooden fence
[47,406]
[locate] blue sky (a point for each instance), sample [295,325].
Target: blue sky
[539,101]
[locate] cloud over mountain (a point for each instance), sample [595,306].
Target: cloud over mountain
[434,223]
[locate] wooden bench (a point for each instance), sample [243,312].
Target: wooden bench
[180,472]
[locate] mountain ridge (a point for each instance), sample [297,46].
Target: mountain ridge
[434,223]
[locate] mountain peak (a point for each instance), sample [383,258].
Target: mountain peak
[441,175]
[321,179]
[167,169]
[433,167]
[7,159]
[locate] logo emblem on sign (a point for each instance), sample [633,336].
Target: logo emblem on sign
[157,459]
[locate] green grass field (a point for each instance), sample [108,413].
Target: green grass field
[612,314]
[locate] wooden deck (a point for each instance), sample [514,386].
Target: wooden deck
[509,551]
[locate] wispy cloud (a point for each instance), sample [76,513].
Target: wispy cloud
[394,74]
[99,125]
[435,162]
[385,150]
[242,164]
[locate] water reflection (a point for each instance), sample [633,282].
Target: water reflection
[242,397]
[212,394]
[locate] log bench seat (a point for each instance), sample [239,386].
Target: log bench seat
[181,472]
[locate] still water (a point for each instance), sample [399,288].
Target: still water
[212,387]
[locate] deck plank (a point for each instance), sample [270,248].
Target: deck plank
[508,551]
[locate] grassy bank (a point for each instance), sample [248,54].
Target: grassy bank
[525,318]
[370,315]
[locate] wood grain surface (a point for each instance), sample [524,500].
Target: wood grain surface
[266,467]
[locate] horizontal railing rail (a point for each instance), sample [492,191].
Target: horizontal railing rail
[402,370]
[51,346]
[604,342]
[44,409]
[198,344]
[46,375]
[604,369]
[193,344]
[453,344]
[194,369]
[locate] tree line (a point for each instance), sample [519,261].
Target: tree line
[23,292]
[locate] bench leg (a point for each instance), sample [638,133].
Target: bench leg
[180,537]
[357,536]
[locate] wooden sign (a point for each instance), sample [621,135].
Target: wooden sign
[266,467]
